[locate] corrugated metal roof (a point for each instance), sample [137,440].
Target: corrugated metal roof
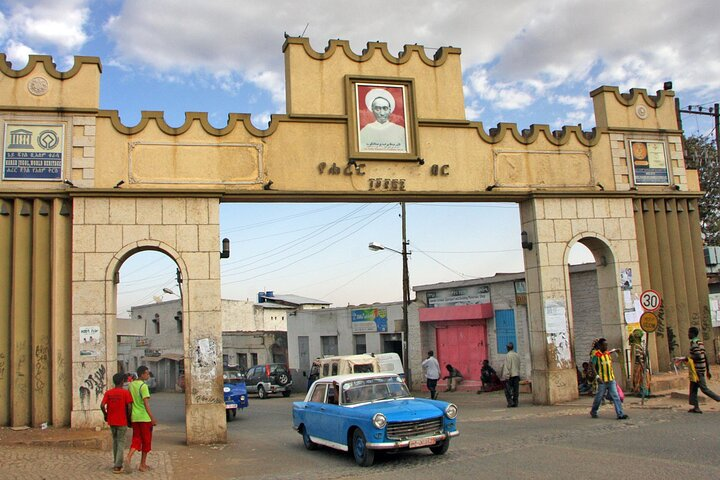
[296,299]
[497,278]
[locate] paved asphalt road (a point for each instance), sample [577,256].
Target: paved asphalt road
[660,441]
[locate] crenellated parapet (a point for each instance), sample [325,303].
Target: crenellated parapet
[371,49]
[317,145]
[157,118]
[315,81]
[40,86]
[528,136]
[636,109]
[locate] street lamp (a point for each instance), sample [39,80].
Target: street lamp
[374,246]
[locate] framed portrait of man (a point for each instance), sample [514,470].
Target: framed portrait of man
[381,119]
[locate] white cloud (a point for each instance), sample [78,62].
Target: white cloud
[17,53]
[474,111]
[506,96]
[524,51]
[53,24]
[574,101]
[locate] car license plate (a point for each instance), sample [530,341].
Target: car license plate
[422,442]
[230,405]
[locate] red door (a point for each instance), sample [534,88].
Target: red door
[464,346]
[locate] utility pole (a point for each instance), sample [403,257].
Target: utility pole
[714,112]
[406,298]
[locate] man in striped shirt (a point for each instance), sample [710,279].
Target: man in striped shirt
[602,364]
[698,368]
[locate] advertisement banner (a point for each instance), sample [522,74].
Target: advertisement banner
[459,296]
[33,152]
[369,320]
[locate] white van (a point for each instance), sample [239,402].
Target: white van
[390,363]
[343,365]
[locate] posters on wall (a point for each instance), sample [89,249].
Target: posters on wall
[715,309]
[556,328]
[33,151]
[90,338]
[369,320]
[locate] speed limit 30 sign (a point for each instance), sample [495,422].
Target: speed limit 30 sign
[650,300]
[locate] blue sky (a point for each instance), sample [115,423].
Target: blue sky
[523,62]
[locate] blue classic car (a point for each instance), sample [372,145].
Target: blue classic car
[234,392]
[362,413]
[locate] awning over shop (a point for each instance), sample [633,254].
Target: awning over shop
[463,312]
[176,357]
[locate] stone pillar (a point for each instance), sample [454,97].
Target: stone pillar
[554,225]
[553,373]
[107,231]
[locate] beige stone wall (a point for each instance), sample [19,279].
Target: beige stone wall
[105,233]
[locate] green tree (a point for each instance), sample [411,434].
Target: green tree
[702,155]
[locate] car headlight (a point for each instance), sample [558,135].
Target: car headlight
[242,398]
[226,389]
[451,411]
[379,420]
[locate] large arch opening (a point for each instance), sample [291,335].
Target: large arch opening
[466,267]
[593,293]
[151,329]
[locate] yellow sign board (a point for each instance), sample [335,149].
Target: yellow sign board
[648,322]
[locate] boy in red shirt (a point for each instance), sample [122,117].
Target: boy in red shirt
[115,405]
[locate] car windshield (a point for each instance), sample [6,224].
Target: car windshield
[233,376]
[373,389]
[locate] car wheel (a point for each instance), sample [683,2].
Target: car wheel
[286,393]
[363,456]
[261,392]
[234,412]
[441,448]
[309,444]
[227,415]
[283,379]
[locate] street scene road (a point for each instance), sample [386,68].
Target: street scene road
[659,441]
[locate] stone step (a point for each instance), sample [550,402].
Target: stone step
[666,383]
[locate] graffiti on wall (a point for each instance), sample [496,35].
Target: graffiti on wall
[41,363]
[95,382]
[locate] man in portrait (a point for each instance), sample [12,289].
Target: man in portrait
[382,135]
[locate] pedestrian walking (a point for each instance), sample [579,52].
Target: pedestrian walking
[698,369]
[116,406]
[431,370]
[143,420]
[602,365]
[510,373]
[454,378]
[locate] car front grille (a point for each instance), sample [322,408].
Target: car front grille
[403,430]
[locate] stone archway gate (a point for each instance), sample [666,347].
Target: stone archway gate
[80,191]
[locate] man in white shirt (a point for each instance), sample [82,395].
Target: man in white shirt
[382,135]
[511,374]
[431,370]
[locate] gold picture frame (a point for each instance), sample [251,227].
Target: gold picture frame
[382,120]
